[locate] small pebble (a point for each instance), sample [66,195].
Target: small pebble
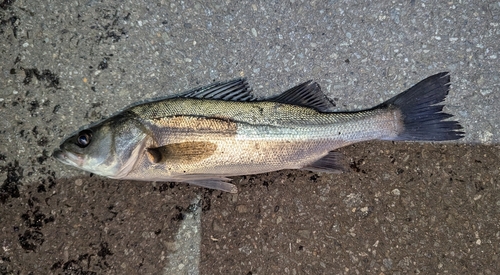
[216,225]
[242,208]
[304,233]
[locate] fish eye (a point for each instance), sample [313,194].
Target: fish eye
[84,138]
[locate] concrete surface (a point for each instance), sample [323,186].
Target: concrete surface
[65,64]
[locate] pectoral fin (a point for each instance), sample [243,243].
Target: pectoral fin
[154,155]
[331,163]
[184,152]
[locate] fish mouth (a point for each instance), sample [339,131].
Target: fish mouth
[68,157]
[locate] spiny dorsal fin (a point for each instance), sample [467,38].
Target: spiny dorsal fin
[307,94]
[233,90]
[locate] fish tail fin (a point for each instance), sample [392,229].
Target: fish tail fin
[423,118]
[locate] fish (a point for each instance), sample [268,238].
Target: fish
[206,135]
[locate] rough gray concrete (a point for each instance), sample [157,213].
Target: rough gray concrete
[65,64]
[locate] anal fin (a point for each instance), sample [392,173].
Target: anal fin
[331,163]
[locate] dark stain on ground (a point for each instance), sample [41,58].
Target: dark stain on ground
[43,141]
[434,217]
[31,239]
[110,21]
[6,3]
[12,21]
[34,105]
[103,64]
[47,76]
[56,109]
[10,187]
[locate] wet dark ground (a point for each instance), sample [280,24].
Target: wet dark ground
[400,209]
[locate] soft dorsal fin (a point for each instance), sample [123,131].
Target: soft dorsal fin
[307,94]
[233,90]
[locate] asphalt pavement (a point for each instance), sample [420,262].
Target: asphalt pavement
[66,64]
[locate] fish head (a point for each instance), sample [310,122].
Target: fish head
[89,149]
[106,149]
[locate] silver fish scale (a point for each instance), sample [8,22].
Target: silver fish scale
[269,136]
